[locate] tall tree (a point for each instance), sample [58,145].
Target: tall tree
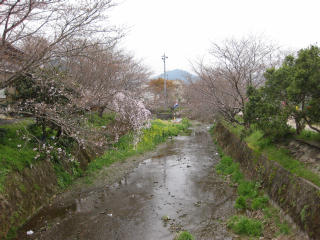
[237,64]
[295,87]
[101,73]
[156,87]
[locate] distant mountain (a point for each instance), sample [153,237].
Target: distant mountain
[178,74]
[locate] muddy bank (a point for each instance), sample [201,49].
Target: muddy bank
[150,197]
[296,196]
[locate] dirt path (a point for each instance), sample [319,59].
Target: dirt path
[174,188]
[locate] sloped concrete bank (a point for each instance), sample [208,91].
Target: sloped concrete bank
[299,198]
[27,191]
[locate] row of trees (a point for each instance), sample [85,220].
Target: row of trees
[62,59]
[254,79]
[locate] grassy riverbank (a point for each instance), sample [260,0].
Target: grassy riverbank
[263,145]
[19,147]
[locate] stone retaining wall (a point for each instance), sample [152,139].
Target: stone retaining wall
[296,196]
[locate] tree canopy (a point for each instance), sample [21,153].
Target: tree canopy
[291,91]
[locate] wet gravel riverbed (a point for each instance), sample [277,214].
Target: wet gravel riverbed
[174,188]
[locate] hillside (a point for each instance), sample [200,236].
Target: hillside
[178,74]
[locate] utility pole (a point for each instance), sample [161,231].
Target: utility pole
[164,57]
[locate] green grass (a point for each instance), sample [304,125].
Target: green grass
[309,136]
[66,178]
[184,235]
[16,153]
[150,138]
[94,120]
[241,203]
[245,226]
[247,189]
[259,203]
[262,145]
[19,148]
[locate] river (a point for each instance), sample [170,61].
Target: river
[174,188]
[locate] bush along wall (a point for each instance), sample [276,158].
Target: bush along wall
[296,196]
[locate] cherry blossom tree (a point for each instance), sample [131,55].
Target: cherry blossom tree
[132,114]
[236,65]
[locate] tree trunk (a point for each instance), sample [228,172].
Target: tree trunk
[299,125]
[100,111]
[58,133]
[44,132]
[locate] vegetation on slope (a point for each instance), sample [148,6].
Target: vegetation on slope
[261,144]
[255,213]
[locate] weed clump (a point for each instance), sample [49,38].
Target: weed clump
[247,189]
[241,203]
[245,226]
[259,203]
[184,235]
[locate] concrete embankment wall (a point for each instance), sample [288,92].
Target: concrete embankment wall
[299,198]
[27,191]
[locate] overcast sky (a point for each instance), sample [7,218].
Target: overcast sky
[185,29]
